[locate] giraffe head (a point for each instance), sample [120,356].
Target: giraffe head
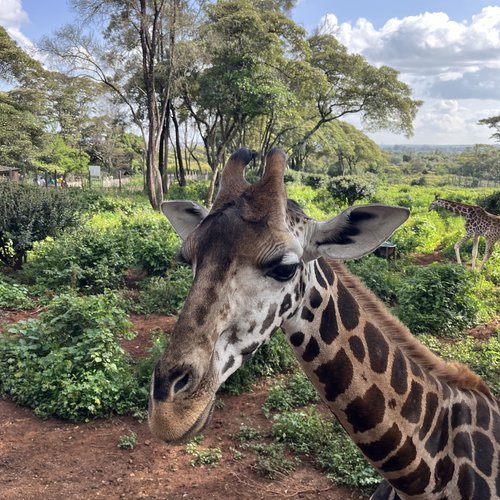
[248,255]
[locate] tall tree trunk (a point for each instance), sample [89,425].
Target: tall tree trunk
[178,149]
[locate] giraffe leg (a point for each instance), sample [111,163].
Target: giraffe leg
[474,250]
[487,253]
[457,246]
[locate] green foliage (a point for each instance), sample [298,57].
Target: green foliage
[128,441]
[294,392]
[482,357]
[309,433]
[422,233]
[194,191]
[247,433]
[270,459]
[165,295]
[69,363]
[440,299]
[377,275]
[14,296]
[491,203]
[347,189]
[98,255]
[271,359]
[207,456]
[29,214]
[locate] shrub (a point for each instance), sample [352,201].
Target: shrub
[98,255]
[270,459]
[422,233]
[29,214]
[14,296]
[376,274]
[309,433]
[295,392]
[69,363]
[272,358]
[439,299]
[165,295]
[491,203]
[348,189]
[194,191]
[482,357]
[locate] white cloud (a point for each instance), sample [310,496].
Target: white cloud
[444,61]
[12,16]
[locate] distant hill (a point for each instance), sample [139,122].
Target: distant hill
[424,148]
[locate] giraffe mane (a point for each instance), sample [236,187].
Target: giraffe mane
[453,373]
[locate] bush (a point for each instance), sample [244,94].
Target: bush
[491,203]
[29,214]
[440,299]
[376,274]
[165,295]
[482,357]
[14,296]
[271,359]
[295,392]
[423,233]
[347,189]
[69,363]
[98,255]
[309,433]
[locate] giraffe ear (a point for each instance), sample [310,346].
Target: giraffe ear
[353,233]
[184,215]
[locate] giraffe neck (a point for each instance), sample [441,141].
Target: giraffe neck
[456,207]
[397,413]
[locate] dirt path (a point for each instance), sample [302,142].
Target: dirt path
[59,460]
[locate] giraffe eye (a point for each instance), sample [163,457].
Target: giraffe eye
[283,272]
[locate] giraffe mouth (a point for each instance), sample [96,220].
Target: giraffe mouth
[200,424]
[168,426]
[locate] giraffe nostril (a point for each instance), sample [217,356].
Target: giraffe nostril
[176,380]
[182,382]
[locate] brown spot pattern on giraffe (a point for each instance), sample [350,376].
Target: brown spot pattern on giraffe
[443,473]
[377,347]
[335,375]
[483,452]
[311,351]
[357,348]
[296,339]
[328,329]
[399,373]
[348,308]
[315,298]
[415,482]
[439,435]
[377,450]
[367,411]
[412,407]
[431,404]
[403,458]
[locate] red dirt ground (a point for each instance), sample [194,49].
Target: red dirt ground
[58,460]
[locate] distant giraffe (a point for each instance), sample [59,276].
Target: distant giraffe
[431,429]
[478,222]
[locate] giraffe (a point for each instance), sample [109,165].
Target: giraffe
[430,428]
[478,222]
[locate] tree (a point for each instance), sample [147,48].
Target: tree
[242,45]
[136,35]
[494,123]
[350,85]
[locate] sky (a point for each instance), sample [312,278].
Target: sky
[448,51]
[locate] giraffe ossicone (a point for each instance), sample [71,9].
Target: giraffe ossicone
[478,222]
[430,428]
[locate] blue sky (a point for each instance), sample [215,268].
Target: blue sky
[448,51]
